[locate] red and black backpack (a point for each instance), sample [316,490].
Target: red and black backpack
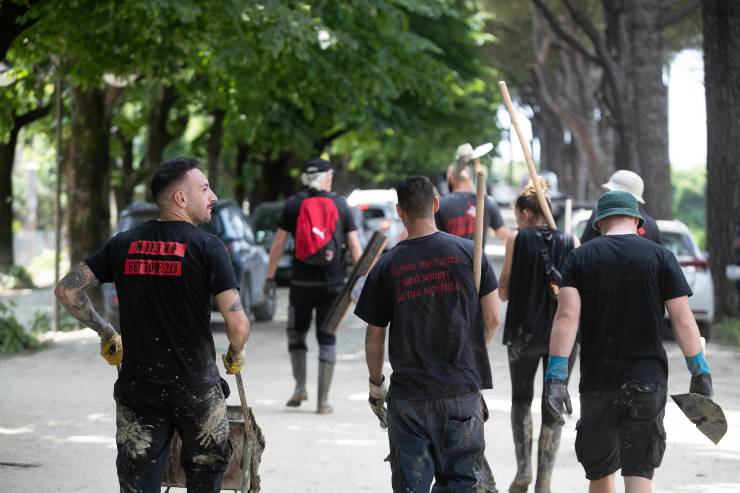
[315,230]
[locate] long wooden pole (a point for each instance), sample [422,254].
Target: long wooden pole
[480,196]
[527,156]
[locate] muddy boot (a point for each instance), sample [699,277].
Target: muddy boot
[546,454]
[326,370]
[298,362]
[521,427]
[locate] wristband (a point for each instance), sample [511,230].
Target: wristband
[557,368]
[697,365]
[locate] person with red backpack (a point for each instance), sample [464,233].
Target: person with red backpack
[321,224]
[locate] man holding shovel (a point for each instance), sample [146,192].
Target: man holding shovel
[617,286]
[439,329]
[166,271]
[456,213]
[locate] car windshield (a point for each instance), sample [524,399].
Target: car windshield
[130,221]
[677,243]
[373,213]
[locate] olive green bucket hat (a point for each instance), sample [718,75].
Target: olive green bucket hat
[617,203]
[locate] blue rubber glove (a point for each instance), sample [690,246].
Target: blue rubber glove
[557,398]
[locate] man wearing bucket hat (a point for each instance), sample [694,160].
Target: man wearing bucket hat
[626,283]
[456,214]
[627,181]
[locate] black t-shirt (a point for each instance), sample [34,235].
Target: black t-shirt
[648,230]
[303,274]
[531,308]
[165,273]
[623,281]
[456,215]
[424,288]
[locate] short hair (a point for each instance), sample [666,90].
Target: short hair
[416,196]
[171,172]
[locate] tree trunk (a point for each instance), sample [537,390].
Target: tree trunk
[7,159]
[649,112]
[124,193]
[240,189]
[214,147]
[87,174]
[275,182]
[721,20]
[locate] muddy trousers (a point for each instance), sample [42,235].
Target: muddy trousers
[523,364]
[147,415]
[441,440]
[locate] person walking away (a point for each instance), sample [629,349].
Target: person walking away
[456,213]
[166,271]
[627,181]
[529,281]
[617,287]
[439,330]
[321,224]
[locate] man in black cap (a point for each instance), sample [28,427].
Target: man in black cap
[321,224]
[626,282]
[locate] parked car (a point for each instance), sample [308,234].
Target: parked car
[264,220]
[378,209]
[677,238]
[248,259]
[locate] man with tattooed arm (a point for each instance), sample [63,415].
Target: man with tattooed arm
[165,272]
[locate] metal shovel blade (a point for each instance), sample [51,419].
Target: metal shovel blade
[706,414]
[482,150]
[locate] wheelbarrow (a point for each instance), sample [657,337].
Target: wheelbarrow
[247,444]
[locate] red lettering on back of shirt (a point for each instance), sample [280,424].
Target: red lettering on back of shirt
[146,247]
[142,267]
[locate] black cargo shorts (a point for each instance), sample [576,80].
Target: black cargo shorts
[622,428]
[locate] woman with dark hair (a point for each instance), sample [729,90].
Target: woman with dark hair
[529,280]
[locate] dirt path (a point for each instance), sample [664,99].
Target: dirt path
[57,421]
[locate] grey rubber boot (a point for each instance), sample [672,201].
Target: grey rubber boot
[326,371]
[546,454]
[298,362]
[521,427]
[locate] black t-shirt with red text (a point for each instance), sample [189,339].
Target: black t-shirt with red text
[165,273]
[424,288]
[648,230]
[302,273]
[456,215]
[623,282]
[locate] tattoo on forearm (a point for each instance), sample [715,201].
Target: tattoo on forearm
[72,295]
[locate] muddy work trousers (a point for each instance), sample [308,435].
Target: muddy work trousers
[304,300]
[523,364]
[147,415]
[438,439]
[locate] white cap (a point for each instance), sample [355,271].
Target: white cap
[464,150]
[627,181]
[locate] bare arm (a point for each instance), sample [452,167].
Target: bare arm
[71,294]
[502,233]
[353,242]
[276,251]
[237,323]
[565,324]
[489,305]
[374,352]
[684,325]
[503,284]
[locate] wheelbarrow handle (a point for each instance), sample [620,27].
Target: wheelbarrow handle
[242,398]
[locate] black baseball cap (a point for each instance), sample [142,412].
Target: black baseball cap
[316,165]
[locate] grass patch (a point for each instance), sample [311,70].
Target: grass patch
[727,331]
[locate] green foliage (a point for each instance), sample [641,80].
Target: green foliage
[727,331]
[40,323]
[689,201]
[13,337]
[22,277]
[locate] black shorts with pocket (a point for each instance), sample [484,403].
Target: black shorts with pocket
[622,428]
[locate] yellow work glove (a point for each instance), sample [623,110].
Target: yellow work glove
[233,361]
[111,347]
